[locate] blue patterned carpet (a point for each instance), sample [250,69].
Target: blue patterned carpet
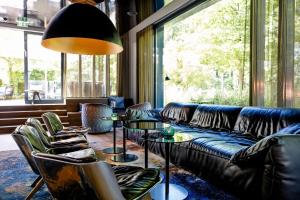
[16,177]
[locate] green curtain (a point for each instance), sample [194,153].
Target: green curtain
[145,8]
[123,68]
[146,65]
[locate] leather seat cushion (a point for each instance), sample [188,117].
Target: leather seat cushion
[223,144]
[135,181]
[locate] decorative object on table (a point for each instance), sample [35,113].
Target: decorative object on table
[168,132]
[82,28]
[114,116]
[91,117]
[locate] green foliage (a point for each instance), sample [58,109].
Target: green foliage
[207,58]
[37,75]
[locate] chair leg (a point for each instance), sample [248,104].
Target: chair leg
[38,185]
[35,181]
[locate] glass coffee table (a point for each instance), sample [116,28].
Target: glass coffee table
[122,155]
[146,125]
[166,190]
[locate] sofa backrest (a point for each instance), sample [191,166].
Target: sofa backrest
[288,116]
[178,112]
[215,116]
[258,122]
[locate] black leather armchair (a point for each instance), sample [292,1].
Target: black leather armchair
[26,149]
[67,179]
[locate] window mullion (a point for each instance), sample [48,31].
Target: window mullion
[257,42]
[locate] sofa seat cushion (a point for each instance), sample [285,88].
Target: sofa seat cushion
[218,117]
[223,144]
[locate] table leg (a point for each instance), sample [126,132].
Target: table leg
[167,191]
[124,143]
[114,149]
[124,157]
[167,150]
[146,148]
[114,127]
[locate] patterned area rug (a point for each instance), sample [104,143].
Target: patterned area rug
[16,176]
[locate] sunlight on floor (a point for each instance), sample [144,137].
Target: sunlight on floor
[7,143]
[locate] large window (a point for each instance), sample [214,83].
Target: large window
[43,71]
[12,64]
[297,55]
[205,59]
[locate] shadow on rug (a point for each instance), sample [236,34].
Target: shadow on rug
[16,177]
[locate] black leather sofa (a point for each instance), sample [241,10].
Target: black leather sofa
[253,152]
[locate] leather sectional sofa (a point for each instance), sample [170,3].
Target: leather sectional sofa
[253,152]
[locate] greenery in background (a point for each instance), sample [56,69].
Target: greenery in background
[271,53]
[39,75]
[297,55]
[207,58]
[15,74]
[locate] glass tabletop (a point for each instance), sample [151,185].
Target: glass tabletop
[114,118]
[177,138]
[146,125]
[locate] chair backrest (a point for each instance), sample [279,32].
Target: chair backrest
[40,130]
[33,137]
[68,180]
[52,122]
[25,147]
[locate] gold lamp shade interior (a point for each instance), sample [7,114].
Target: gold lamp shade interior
[82,29]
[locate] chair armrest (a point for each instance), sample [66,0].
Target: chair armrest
[65,149]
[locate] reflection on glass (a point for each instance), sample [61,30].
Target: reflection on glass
[39,12]
[100,76]
[87,75]
[216,70]
[72,75]
[271,53]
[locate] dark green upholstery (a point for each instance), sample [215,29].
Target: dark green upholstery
[70,180]
[134,181]
[52,122]
[55,126]
[81,152]
[55,141]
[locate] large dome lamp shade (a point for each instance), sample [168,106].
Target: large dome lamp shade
[82,29]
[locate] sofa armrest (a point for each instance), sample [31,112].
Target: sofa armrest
[281,177]
[255,154]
